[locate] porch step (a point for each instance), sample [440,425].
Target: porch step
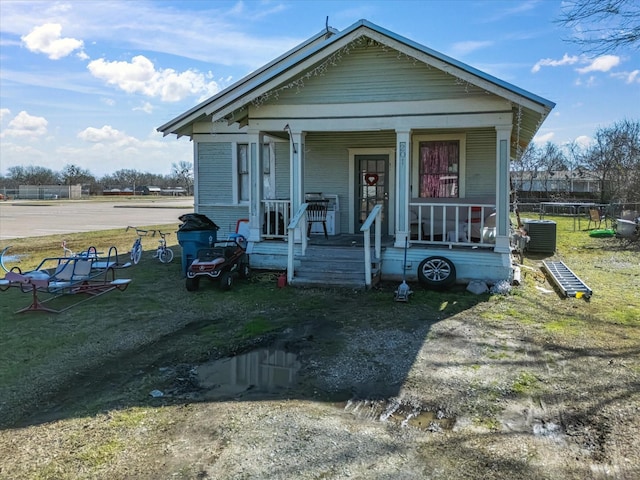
[334,266]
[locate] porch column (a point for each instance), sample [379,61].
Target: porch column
[403,228]
[296,182]
[502,189]
[256,139]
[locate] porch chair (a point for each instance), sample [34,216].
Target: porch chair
[596,216]
[317,213]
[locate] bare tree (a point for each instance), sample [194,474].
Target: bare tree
[615,159]
[73,174]
[33,175]
[552,160]
[127,178]
[182,172]
[602,26]
[525,168]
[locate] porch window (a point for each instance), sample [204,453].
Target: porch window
[243,172]
[268,176]
[439,169]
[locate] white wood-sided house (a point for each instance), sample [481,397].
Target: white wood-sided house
[410,146]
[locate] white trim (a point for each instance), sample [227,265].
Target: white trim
[415,160]
[391,152]
[356,123]
[219,137]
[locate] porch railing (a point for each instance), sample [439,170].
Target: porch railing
[374,218]
[276,218]
[452,223]
[298,222]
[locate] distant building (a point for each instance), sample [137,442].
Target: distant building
[174,191]
[142,190]
[151,191]
[50,192]
[556,182]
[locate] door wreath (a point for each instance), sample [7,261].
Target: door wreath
[371,178]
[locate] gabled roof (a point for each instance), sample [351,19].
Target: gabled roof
[529,109]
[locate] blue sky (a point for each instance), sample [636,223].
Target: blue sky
[87,82]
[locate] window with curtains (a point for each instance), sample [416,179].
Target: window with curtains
[439,168]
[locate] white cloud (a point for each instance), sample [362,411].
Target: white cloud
[591,81]
[14,154]
[542,139]
[4,112]
[628,77]
[25,125]
[47,39]
[146,107]
[603,63]
[140,76]
[107,135]
[549,62]
[217,34]
[583,141]
[463,48]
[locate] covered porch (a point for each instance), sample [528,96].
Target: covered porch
[376,212]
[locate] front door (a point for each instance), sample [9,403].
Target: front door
[372,188]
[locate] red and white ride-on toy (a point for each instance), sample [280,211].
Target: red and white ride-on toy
[222,261]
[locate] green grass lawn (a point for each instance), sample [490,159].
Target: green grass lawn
[156,304]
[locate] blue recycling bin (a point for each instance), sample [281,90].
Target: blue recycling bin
[195,233]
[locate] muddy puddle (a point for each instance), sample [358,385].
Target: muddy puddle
[399,412]
[267,370]
[272,371]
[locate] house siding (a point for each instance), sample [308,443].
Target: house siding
[283,170]
[225,217]
[481,163]
[215,175]
[376,74]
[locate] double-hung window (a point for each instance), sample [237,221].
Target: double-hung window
[243,161]
[243,172]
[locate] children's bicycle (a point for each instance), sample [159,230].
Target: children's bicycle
[136,249]
[163,253]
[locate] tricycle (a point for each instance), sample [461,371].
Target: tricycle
[221,262]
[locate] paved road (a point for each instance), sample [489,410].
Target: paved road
[37,218]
